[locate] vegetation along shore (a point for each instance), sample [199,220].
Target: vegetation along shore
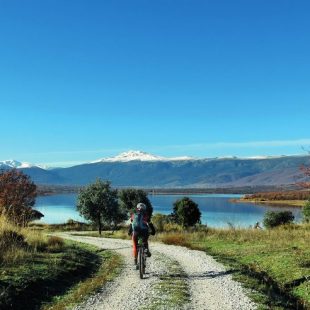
[296,198]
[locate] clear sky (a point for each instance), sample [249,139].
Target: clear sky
[82,80]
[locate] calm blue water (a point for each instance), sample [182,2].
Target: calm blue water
[216,209]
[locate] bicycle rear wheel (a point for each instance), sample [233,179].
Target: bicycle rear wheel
[144,260]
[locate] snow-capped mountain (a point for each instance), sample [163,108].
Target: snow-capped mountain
[11,163]
[141,156]
[137,168]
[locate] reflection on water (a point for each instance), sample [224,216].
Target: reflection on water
[216,209]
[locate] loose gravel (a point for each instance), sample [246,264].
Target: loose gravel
[209,285]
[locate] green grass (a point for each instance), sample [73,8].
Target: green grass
[39,271]
[39,277]
[278,261]
[110,265]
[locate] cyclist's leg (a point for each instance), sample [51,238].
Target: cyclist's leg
[135,245]
[146,243]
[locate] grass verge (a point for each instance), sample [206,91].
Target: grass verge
[276,263]
[34,281]
[110,265]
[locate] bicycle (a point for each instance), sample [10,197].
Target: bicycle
[141,256]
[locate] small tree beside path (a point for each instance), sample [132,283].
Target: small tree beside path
[98,203]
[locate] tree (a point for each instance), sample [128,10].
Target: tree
[186,212]
[306,212]
[129,198]
[98,203]
[273,219]
[17,197]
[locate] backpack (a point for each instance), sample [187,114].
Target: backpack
[138,222]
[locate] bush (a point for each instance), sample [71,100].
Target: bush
[306,212]
[11,238]
[273,219]
[160,220]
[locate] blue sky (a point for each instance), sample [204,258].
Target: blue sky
[81,80]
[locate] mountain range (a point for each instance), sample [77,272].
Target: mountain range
[136,168]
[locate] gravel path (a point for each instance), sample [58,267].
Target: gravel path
[209,285]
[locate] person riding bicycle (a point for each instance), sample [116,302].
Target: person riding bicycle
[140,226]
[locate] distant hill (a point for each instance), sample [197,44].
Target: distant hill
[146,170]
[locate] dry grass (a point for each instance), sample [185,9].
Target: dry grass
[18,244]
[281,236]
[176,238]
[55,244]
[12,244]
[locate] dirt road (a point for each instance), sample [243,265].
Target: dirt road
[177,278]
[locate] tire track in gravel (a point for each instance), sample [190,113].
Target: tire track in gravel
[207,281]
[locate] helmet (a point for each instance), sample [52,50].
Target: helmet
[141,207]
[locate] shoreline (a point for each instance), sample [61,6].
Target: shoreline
[278,203]
[47,190]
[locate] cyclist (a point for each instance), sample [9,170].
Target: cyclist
[140,225]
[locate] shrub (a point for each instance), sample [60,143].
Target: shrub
[11,238]
[306,212]
[160,220]
[273,219]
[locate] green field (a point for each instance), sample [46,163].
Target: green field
[278,260]
[274,263]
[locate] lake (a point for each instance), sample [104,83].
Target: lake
[216,209]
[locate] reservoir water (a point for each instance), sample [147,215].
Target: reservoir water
[216,209]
